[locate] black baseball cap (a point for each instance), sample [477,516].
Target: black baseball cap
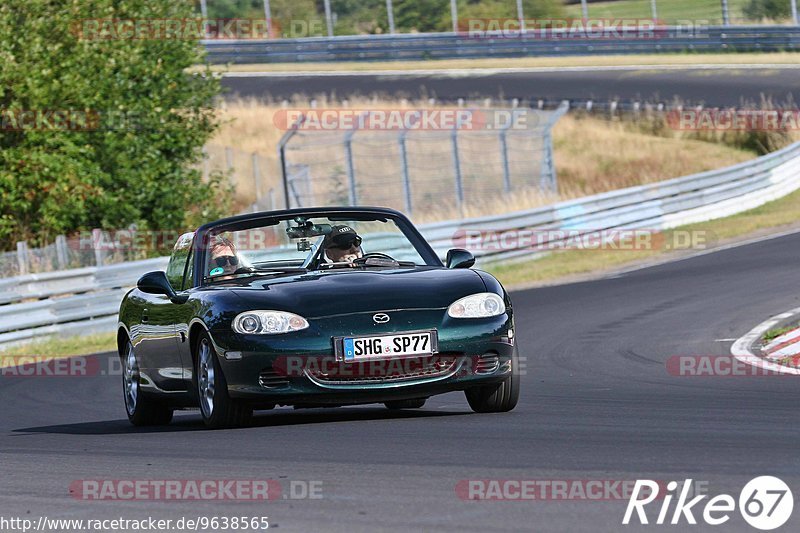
[342,237]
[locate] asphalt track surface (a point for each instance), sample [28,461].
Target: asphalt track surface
[597,403]
[709,86]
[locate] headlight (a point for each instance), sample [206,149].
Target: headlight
[268,322]
[484,304]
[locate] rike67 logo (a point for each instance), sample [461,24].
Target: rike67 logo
[765,503]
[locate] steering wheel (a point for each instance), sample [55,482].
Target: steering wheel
[363,258]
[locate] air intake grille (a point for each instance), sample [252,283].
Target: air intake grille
[271,379]
[487,364]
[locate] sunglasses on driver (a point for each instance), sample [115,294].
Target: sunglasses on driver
[347,244]
[223,260]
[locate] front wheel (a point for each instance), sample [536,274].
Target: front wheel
[142,411]
[498,398]
[217,408]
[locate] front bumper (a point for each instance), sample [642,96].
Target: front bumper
[300,368]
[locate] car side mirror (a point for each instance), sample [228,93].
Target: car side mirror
[459,258]
[157,283]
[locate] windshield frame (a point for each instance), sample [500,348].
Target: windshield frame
[256,220]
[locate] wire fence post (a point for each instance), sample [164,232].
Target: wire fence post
[520,16]
[457,172]
[328,18]
[282,157]
[654,10]
[23,259]
[99,249]
[548,180]
[725,14]
[348,154]
[229,163]
[794,13]
[228,158]
[351,173]
[206,165]
[390,14]
[584,10]
[268,16]
[404,171]
[504,156]
[62,255]
[454,15]
[257,178]
[504,152]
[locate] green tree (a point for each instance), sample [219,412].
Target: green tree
[134,159]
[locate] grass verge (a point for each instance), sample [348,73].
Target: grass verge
[776,332]
[58,347]
[775,58]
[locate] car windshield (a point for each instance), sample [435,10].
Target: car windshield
[309,243]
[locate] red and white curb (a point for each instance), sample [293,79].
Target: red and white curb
[778,349]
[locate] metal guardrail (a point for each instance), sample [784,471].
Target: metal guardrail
[87,299]
[424,46]
[657,206]
[81,300]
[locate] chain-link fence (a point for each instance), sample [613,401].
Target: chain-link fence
[425,168]
[254,177]
[85,249]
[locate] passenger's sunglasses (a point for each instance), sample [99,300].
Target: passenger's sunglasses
[226,259]
[354,241]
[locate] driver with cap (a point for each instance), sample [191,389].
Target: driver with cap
[342,244]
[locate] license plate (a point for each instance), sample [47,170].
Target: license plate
[383,346]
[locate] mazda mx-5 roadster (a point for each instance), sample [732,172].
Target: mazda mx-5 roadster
[317,307]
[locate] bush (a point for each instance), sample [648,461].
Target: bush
[767,9]
[148,119]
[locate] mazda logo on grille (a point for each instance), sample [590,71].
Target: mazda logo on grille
[380,318]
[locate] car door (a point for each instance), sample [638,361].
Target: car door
[183,316]
[161,354]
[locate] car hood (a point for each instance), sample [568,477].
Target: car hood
[318,294]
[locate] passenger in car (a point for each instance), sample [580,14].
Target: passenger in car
[224,260]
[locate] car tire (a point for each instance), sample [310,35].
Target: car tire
[498,398]
[217,408]
[141,410]
[395,405]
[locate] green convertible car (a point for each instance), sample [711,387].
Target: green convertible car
[309,308]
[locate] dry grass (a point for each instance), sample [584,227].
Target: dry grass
[776,58]
[592,155]
[595,155]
